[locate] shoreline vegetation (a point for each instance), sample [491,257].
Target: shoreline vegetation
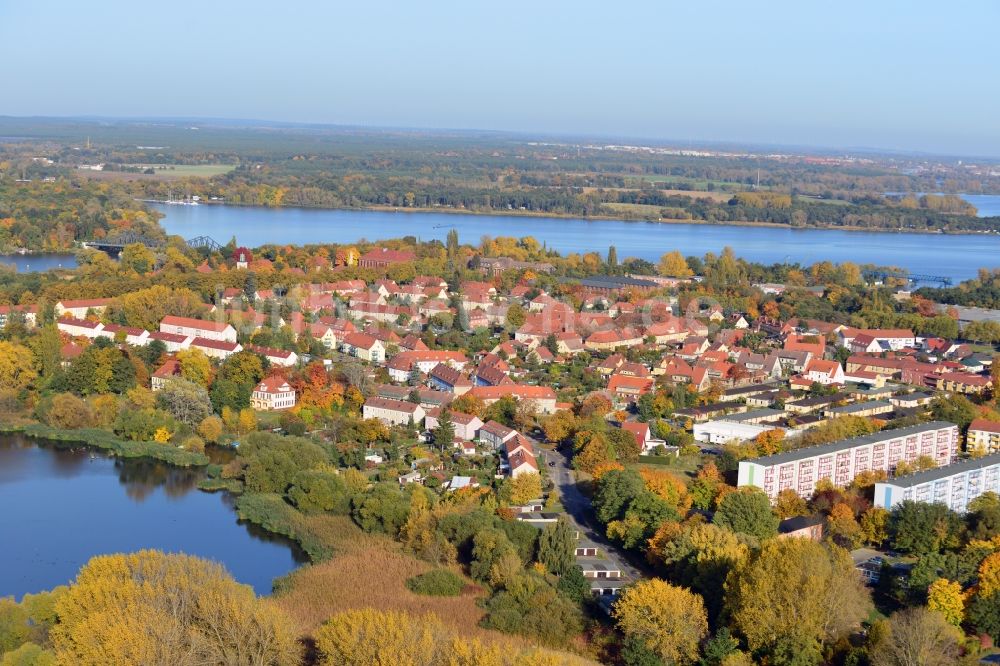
[106,441]
[604,218]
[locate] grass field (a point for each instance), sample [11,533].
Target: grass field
[371,570]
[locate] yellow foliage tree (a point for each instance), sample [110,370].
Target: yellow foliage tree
[989,575]
[247,421]
[195,366]
[153,608]
[524,488]
[17,370]
[945,597]
[667,487]
[162,435]
[671,621]
[796,589]
[673,264]
[210,428]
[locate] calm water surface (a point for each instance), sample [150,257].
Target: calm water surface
[61,507]
[35,263]
[955,256]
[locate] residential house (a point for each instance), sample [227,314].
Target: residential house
[198,328]
[168,370]
[543,397]
[272,393]
[983,437]
[363,346]
[467,426]
[212,348]
[444,377]
[496,434]
[381,257]
[393,412]
[79,308]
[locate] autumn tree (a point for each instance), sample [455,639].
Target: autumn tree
[152,608]
[137,257]
[210,429]
[795,595]
[673,264]
[917,636]
[945,597]
[195,366]
[17,371]
[669,620]
[790,504]
[68,411]
[523,488]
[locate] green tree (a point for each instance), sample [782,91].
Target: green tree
[747,511]
[920,528]
[556,547]
[444,433]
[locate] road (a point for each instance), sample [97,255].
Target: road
[581,513]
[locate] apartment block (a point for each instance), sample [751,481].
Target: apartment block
[841,461]
[953,485]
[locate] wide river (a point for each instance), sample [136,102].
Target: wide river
[954,256]
[62,506]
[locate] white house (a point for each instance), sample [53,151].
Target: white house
[78,308]
[216,348]
[825,372]
[466,425]
[273,392]
[393,412]
[198,328]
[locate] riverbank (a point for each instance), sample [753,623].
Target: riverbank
[106,441]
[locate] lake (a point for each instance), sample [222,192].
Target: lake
[954,256]
[62,506]
[35,263]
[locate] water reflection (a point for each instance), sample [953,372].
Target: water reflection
[73,504]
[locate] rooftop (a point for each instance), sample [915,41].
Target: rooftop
[944,471]
[844,444]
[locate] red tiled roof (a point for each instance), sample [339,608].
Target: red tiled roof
[274,384]
[189,322]
[393,405]
[984,425]
[214,344]
[520,391]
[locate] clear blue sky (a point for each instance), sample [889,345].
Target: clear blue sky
[916,75]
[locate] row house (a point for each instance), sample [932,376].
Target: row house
[363,346]
[381,257]
[384,313]
[133,335]
[198,328]
[220,349]
[82,328]
[840,462]
[894,339]
[393,412]
[174,342]
[467,426]
[79,308]
[443,377]
[429,398]
[520,456]
[543,397]
[28,313]
[424,361]
[962,382]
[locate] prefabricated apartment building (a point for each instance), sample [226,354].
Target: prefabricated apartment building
[841,461]
[954,486]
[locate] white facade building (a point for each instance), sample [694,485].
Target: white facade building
[953,485]
[841,461]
